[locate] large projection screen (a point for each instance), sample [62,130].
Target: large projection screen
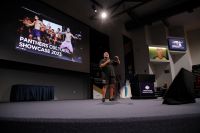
[36,33]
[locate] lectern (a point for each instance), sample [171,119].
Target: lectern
[143,86]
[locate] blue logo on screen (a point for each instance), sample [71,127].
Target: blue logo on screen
[177,44]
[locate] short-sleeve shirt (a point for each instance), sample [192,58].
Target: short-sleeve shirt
[108,70]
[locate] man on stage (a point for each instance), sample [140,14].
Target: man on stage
[108,74]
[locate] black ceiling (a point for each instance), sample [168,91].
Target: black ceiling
[144,12]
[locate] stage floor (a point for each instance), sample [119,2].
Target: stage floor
[95,109]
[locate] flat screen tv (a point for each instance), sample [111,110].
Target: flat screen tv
[158,54]
[176,44]
[36,33]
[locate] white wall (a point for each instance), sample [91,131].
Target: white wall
[161,77]
[156,35]
[182,60]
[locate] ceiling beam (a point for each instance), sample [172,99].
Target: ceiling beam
[96,3]
[116,5]
[162,14]
[131,8]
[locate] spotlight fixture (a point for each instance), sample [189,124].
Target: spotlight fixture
[94,8]
[104,15]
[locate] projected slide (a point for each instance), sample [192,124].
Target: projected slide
[38,34]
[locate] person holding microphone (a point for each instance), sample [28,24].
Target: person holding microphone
[108,74]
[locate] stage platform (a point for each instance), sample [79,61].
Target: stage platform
[93,116]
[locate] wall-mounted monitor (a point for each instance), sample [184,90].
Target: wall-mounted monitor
[176,44]
[158,53]
[36,33]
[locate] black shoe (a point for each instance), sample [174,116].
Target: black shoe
[103,100]
[111,99]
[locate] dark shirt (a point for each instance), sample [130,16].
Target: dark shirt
[108,69]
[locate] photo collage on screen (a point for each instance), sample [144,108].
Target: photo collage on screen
[39,35]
